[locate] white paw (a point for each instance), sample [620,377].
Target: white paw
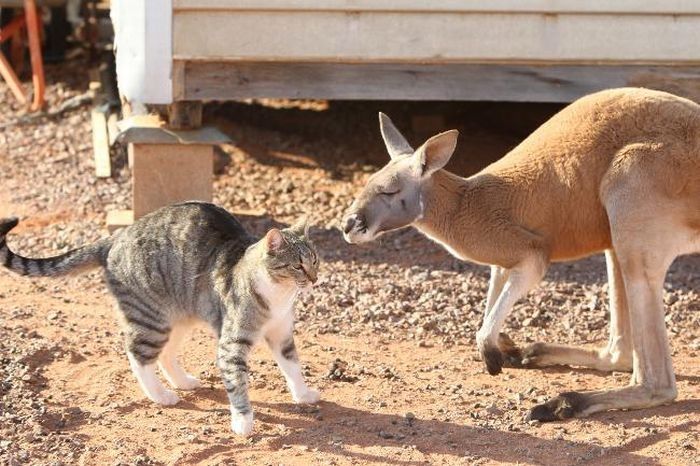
[188,383]
[308,396]
[166,398]
[242,424]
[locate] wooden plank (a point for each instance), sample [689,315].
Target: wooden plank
[100,144]
[435,38]
[525,6]
[230,80]
[185,115]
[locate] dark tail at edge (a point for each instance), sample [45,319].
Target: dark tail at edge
[78,259]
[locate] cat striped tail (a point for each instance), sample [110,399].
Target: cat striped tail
[72,261]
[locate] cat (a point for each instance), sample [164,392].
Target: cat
[196,261]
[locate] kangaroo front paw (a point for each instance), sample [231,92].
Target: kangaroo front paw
[165,398]
[308,396]
[493,359]
[242,424]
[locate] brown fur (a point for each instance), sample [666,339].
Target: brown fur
[616,171]
[525,200]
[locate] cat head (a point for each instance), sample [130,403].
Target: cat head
[290,255]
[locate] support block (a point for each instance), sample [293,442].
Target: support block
[117,219]
[164,174]
[185,115]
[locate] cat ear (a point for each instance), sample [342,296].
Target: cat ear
[274,240]
[301,227]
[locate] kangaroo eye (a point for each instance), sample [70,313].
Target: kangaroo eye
[296,267]
[390,193]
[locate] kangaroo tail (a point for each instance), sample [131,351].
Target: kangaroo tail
[78,259]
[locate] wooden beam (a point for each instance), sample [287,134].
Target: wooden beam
[185,115]
[13,82]
[498,6]
[445,37]
[240,80]
[100,144]
[35,55]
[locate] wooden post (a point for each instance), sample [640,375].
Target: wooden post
[168,166]
[185,115]
[168,173]
[35,54]
[12,80]
[100,144]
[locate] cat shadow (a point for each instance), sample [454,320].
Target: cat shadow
[57,419]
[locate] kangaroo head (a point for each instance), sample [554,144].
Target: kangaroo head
[393,197]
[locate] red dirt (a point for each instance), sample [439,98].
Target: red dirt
[462,415]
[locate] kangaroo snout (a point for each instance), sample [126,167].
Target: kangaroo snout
[349,222]
[354,227]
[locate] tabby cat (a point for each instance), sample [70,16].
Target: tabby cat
[196,261]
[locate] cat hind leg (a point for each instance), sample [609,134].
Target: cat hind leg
[169,365]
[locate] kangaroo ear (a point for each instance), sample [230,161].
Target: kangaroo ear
[394,141]
[301,226]
[274,240]
[436,152]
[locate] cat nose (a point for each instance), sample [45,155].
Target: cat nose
[349,223]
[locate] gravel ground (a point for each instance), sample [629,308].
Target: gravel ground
[290,159]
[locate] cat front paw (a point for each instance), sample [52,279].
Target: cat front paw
[188,383]
[308,396]
[242,424]
[166,398]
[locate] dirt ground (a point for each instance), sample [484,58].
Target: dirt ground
[387,335]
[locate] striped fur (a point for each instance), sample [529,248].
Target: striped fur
[194,261]
[72,261]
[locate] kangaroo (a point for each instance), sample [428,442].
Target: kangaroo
[616,171]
